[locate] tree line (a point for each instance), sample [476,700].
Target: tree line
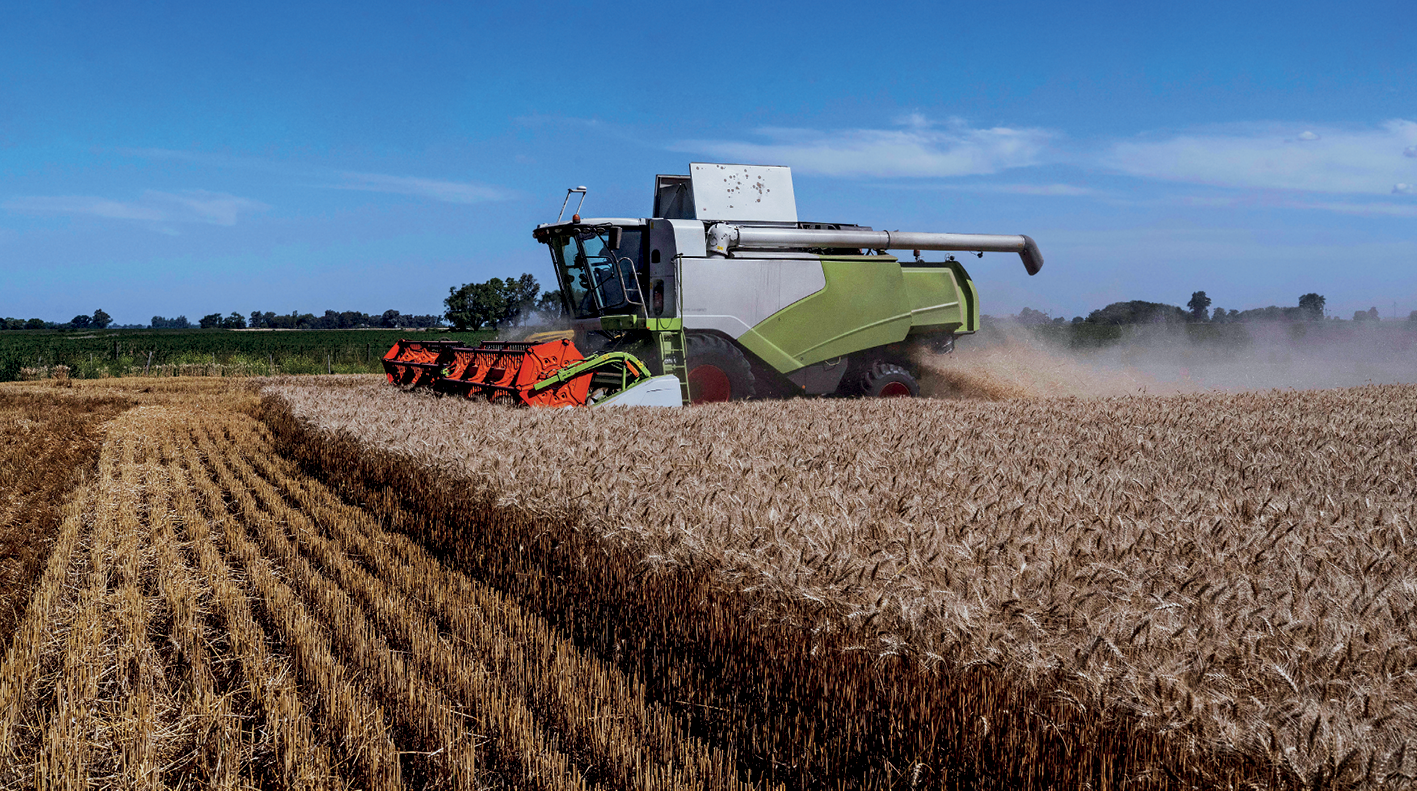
[98,321]
[1136,311]
[331,320]
[506,302]
[491,304]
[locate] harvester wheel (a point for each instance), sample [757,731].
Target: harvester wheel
[718,371]
[888,380]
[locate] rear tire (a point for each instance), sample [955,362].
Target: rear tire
[718,371]
[887,380]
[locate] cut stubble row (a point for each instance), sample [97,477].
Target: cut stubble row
[211,616]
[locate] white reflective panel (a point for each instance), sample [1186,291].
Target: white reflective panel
[743,192]
[655,391]
[733,295]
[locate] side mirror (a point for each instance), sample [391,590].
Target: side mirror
[617,234]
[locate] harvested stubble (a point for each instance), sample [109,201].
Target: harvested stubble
[49,440]
[212,617]
[1201,589]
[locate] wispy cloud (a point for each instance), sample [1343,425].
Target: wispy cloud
[1361,208]
[1306,158]
[1358,208]
[190,206]
[919,148]
[446,191]
[1044,190]
[326,178]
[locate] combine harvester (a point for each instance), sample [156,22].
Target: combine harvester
[722,295]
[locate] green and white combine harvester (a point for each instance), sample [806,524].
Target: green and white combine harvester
[723,294]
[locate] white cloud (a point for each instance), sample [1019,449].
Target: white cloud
[1353,161]
[191,206]
[1404,189]
[920,149]
[446,191]
[1375,209]
[1360,208]
[1047,190]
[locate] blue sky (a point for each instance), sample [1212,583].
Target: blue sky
[191,158]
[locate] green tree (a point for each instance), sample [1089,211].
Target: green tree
[476,304]
[1136,312]
[36,324]
[521,298]
[495,303]
[234,322]
[1311,306]
[551,305]
[81,322]
[101,319]
[1198,305]
[210,321]
[1031,316]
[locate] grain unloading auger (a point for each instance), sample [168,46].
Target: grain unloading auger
[726,295]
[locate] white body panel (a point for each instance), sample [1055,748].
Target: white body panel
[732,295]
[743,192]
[656,391]
[688,237]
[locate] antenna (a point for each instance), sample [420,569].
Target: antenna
[577,212]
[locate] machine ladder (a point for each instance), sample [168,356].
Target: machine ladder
[669,337]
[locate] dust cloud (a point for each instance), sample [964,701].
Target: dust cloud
[1008,360]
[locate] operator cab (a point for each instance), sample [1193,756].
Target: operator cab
[600,265]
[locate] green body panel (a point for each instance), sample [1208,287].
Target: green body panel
[868,301]
[942,297]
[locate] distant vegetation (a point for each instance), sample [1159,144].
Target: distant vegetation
[500,303]
[98,354]
[1310,308]
[331,320]
[1197,311]
[493,303]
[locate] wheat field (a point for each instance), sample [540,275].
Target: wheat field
[336,584]
[1232,572]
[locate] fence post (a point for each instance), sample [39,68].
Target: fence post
[150,363]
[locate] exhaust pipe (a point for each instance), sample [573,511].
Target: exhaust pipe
[723,237]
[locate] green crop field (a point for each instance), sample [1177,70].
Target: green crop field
[91,355]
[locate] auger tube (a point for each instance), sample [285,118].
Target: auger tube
[723,237]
